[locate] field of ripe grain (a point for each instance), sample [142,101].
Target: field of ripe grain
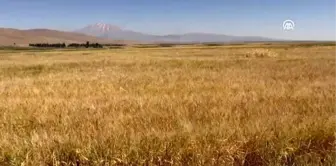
[225,105]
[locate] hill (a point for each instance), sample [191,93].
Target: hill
[9,36]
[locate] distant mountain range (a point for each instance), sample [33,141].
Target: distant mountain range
[114,32]
[106,33]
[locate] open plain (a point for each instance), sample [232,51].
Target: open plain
[237,105]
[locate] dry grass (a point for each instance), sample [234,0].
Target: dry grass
[261,53]
[168,106]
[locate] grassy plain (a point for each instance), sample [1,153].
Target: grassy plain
[191,105]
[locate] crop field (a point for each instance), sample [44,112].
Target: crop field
[235,105]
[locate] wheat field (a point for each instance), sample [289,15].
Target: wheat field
[191,105]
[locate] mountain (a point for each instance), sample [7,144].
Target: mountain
[99,29]
[114,32]
[9,36]
[109,31]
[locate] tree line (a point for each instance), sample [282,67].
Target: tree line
[55,45]
[63,45]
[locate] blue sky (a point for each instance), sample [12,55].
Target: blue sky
[314,19]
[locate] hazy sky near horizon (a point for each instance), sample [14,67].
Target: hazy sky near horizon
[314,19]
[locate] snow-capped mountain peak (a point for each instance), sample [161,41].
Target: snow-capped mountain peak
[99,29]
[104,27]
